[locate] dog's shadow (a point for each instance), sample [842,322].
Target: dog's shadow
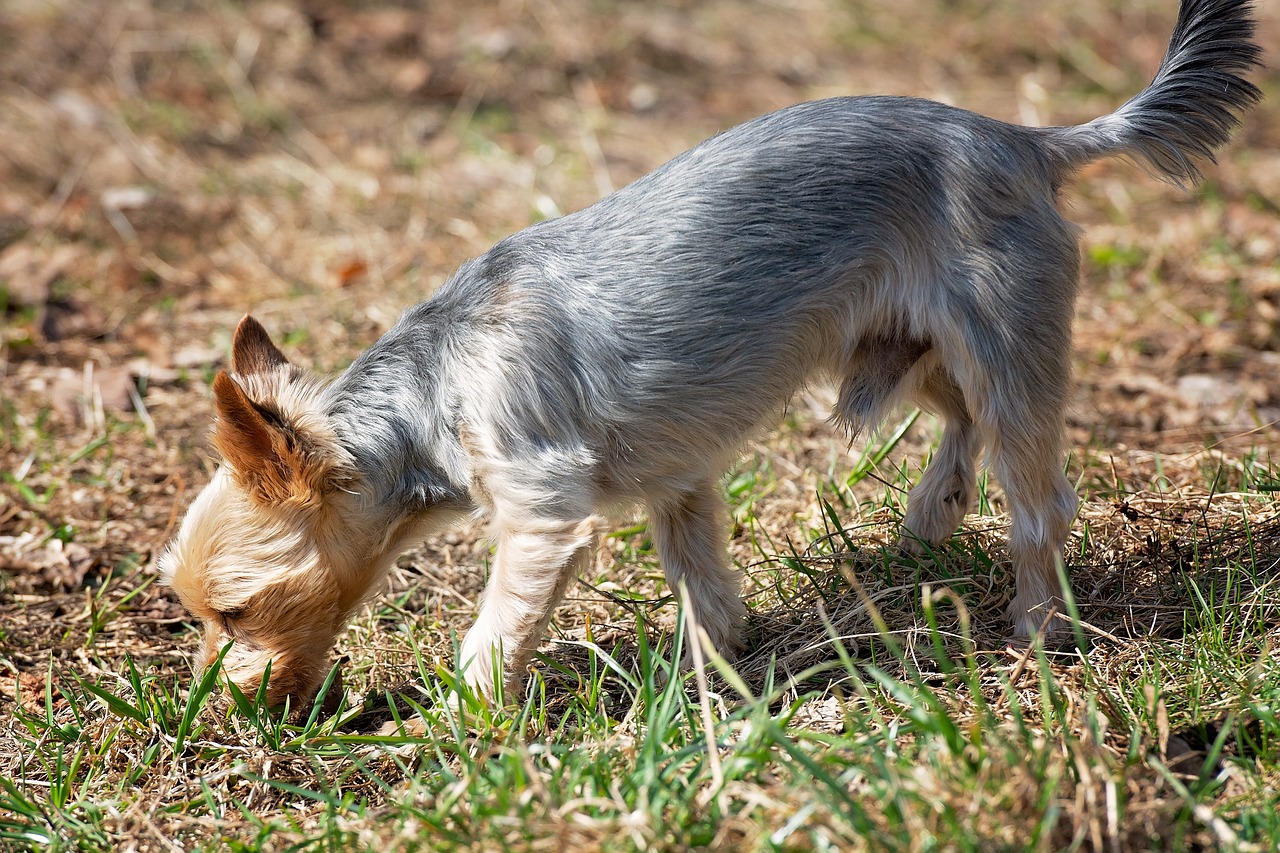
[813,620]
[1141,577]
[815,614]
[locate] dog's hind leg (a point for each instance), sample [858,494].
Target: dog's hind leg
[946,492]
[1027,460]
[690,532]
[1015,377]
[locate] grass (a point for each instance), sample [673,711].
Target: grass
[310,168]
[920,762]
[911,734]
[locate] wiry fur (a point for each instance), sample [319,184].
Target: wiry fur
[901,248]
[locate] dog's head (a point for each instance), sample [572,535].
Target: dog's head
[276,552]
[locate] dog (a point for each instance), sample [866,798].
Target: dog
[621,355]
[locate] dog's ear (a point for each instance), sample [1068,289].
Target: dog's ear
[268,457]
[252,350]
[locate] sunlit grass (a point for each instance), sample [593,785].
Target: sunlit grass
[288,167]
[930,742]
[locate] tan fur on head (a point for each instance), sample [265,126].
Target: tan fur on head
[272,458]
[277,551]
[269,429]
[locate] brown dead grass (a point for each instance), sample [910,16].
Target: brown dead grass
[166,167]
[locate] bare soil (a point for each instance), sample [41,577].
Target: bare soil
[167,166]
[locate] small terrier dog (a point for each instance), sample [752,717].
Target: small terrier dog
[621,355]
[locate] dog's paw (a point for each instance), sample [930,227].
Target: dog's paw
[722,631]
[910,545]
[413,726]
[1047,625]
[935,510]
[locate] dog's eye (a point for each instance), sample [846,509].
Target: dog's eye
[226,617]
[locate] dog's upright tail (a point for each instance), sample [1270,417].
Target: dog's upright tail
[1191,106]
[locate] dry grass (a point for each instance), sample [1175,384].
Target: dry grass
[167,166]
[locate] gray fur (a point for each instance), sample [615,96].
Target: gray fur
[901,248]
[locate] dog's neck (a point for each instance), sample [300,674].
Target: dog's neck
[392,412]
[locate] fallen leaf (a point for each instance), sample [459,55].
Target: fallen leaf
[26,688]
[73,393]
[42,564]
[28,270]
[350,271]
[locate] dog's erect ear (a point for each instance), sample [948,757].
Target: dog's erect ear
[243,434]
[252,351]
[264,452]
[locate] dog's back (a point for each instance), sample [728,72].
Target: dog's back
[694,302]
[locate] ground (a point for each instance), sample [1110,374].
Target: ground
[167,166]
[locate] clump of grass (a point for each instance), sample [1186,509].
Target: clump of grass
[928,742]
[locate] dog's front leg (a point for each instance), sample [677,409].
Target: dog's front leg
[533,565]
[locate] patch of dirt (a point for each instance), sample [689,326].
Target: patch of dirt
[166,167]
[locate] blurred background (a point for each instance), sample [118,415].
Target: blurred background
[166,166]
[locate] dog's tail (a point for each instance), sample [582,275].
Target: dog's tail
[1191,106]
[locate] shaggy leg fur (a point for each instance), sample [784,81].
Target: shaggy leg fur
[1043,505]
[1017,390]
[948,489]
[690,534]
[533,566]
